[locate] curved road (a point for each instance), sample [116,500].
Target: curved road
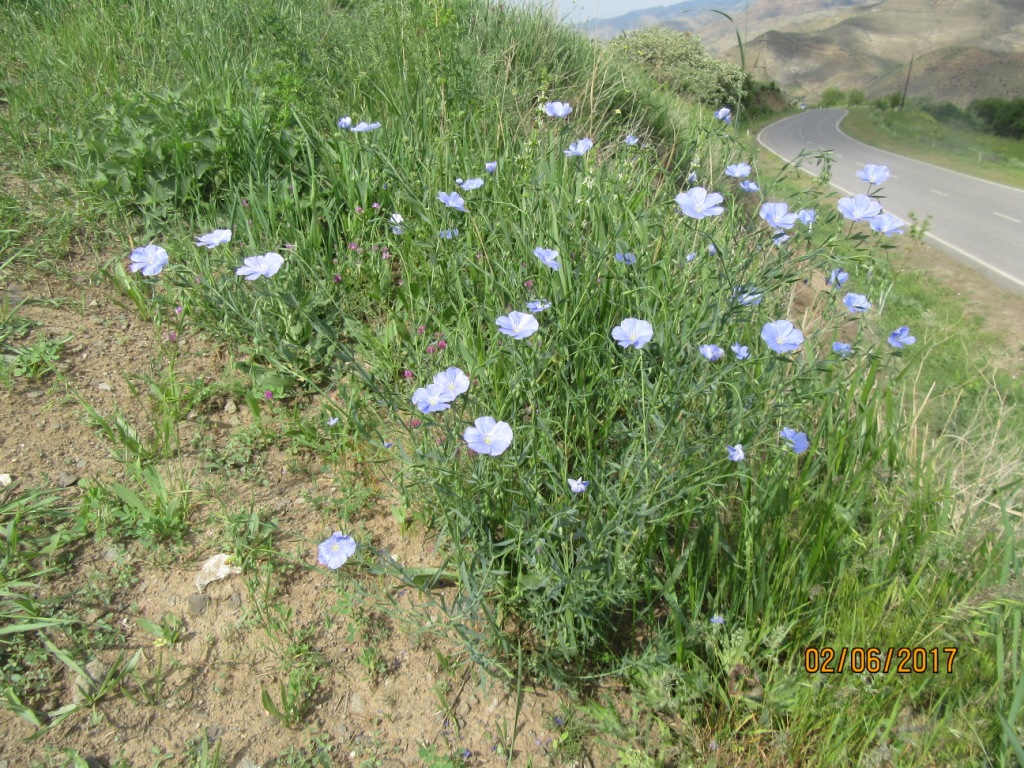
[978,221]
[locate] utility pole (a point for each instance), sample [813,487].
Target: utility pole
[906,85]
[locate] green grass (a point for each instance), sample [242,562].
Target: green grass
[857,542]
[917,134]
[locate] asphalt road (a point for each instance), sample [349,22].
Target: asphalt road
[979,222]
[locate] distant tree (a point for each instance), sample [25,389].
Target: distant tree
[679,60]
[893,100]
[855,98]
[832,97]
[1001,117]
[947,112]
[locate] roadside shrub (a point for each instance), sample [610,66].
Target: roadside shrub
[680,61]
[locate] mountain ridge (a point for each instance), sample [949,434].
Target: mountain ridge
[962,49]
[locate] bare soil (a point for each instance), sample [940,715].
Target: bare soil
[214,676]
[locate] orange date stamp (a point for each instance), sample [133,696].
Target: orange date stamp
[904,661]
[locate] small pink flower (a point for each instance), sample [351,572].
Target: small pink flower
[415,423]
[171,336]
[268,395]
[431,349]
[337,278]
[179,309]
[439,440]
[376,206]
[359,209]
[353,246]
[245,203]
[385,254]
[289,246]
[407,373]
[528,284]
[442,344]
[420,330]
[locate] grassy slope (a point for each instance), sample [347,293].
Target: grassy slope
[917,134]
[457,84]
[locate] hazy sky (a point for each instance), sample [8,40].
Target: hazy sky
[580,10]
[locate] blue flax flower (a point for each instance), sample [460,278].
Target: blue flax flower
[448,234]
[452,200]
[334,551]
[333,421]
[470,184]
[887,224]
[538,306]
[626,258]
[797,440]
[488,436]
[151,259]
[781,336]
[578,148]
[453,381]
[345,123]
[698,203]
[718,619]
[712,352]
[364,127]
[725,115]
[741,352]
[260,266]
[837,277]
[215,238]
[548,258]
[901,337]
[632,140]
[807,216]
[856,302]
[842,349]
[518,325]
[859,207]
[747,298]
[633,333]
[490,167]
[579,485]
[738,170]
[735,452]
[557,109]
[874,174]
[748,186]
[777,215]
[432,398]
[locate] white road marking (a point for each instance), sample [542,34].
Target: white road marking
[1008,218]
[985,264]
[937,192]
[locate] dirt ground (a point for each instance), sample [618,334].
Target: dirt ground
[215,674]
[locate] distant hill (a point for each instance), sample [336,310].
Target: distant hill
[964,49]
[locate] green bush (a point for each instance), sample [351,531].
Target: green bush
[832,97]
[678,60]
